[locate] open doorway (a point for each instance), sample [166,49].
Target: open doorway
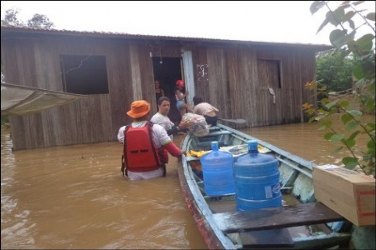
[167,70]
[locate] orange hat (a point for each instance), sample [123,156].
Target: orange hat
[139,109]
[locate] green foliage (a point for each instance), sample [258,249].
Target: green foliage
[10,18]
[40,21]
[334,71]
[353,115]
[37,21]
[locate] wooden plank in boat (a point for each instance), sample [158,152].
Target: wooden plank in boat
[267,238]
[274,218]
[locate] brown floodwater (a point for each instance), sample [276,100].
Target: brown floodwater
[304,140]
[75,196]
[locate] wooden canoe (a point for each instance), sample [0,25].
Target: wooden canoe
[300,223]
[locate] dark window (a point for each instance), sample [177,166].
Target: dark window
[269,72]
[84,74]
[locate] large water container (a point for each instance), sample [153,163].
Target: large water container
[256,180]
[217,168]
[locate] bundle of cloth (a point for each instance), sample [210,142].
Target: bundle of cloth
[197,124]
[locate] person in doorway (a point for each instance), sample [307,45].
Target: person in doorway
[145,145]
[180,95]
[205,109]
[161,118]
[159,91]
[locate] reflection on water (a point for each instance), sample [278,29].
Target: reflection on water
[75,196]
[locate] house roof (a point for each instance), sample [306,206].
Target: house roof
[7,29]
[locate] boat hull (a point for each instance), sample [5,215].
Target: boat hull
[223,227]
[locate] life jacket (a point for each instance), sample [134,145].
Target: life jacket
[139,152]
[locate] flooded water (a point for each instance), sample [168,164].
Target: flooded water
[304,140]
[75,196]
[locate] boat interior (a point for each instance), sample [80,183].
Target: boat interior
[300,223]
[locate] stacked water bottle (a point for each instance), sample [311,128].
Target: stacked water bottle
[253,177]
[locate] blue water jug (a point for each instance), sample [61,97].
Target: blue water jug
[256,180]
[217,168]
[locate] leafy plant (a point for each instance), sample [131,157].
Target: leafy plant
[334,71]
[353,111]
[11,18]
[40,21]
[37,21]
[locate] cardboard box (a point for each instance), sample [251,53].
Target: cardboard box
[349,193]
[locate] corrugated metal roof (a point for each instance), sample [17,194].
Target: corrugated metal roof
[25,29]
[21,100]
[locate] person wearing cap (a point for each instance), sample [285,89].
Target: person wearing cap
[145,145]
[205,109]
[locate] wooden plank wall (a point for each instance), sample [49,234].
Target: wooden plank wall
[120,84]
[96,118]
[289,98]
[217,85]
[236,84]
[307,68]
[147,76]
[200,60]
[249,74]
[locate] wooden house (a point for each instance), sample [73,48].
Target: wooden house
[262,82]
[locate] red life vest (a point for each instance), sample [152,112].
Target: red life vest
[140,153]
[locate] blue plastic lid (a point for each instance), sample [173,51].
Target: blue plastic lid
[252,146]
[253,157]
[216,155]
[214,145]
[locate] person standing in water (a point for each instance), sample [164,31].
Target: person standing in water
[161,118]
[145,145]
